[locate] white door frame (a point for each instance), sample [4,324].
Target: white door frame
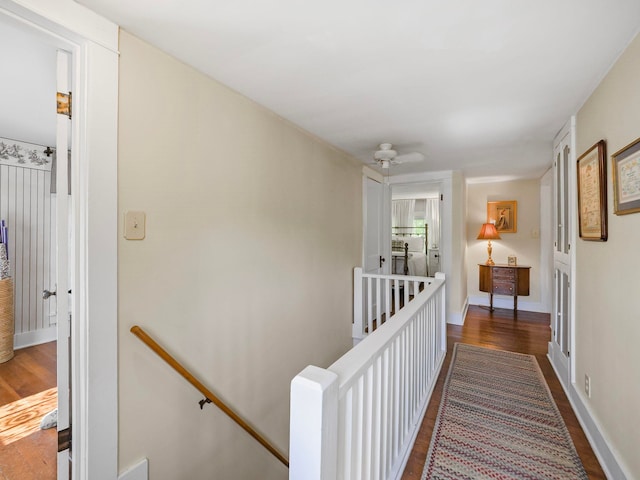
[63,255]
[455,313]
[93,42]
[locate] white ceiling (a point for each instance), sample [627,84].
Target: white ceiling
[480,87]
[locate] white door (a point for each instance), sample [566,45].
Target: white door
[373,244]
[560,346]
[62,268]
[373,240]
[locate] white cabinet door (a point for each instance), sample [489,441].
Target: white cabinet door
[561,320]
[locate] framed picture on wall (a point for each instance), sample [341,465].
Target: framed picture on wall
[504,215]
[626,179]
[592,193]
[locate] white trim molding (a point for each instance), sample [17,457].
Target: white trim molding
[140,471]
[607,457]
[93,42]
[34,337]
[507,302]
[458,318]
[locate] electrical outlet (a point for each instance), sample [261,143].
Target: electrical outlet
[587,385]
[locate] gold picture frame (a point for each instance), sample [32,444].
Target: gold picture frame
[504,215]
[592,193]
[626,179]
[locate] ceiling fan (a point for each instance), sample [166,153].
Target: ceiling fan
[387,156]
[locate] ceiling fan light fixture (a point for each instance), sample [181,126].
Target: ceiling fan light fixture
[385,157]
[386,153]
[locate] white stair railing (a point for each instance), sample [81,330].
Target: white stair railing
[358,419]
[376,298]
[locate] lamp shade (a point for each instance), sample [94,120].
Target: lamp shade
[488,232]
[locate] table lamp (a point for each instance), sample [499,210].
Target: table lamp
[488,232]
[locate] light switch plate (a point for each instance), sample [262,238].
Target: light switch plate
[134,225]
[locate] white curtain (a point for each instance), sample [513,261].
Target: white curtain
[432,218]
[402,213]
[420,210]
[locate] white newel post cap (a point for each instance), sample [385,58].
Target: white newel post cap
[313,425]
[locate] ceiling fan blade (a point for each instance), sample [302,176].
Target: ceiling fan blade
[412,157]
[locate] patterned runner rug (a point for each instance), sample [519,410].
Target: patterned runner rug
[498,420]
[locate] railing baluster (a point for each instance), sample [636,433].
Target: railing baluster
[377,418]
[397,397]
[360,433]
[378,302]
[368,427]
[349,424]
[406,292]
[387,298]
[385,384]
[358,314]
[384,411]
[396,289]
[369,307]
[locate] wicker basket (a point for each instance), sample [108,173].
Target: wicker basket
[6,320]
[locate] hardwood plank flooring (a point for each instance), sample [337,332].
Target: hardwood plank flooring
[525,332]
[29,378]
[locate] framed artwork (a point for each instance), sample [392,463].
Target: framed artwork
[626,179]
[592,193]
[504,215]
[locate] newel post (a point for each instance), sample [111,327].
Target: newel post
[313,427]
[358,317]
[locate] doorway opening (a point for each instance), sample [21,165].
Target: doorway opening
[93,41]
[415,228]
[34,219]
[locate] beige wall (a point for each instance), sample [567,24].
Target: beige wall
[607,274]
[523,244]
[457,285]
[245,274]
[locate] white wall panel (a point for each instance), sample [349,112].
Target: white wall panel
[25,205]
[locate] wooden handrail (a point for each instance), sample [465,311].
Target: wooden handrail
[162,353]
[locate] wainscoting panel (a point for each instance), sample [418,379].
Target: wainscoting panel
[26,206]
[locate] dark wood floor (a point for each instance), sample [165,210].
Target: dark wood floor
[528,333]
[27,390]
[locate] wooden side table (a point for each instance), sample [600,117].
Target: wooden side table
[504,280]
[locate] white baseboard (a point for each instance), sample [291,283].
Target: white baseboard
[455,319]
[35,337]
[140,471]
[507,302]
[608,459]
[458,318]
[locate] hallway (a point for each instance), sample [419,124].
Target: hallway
[528,333]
